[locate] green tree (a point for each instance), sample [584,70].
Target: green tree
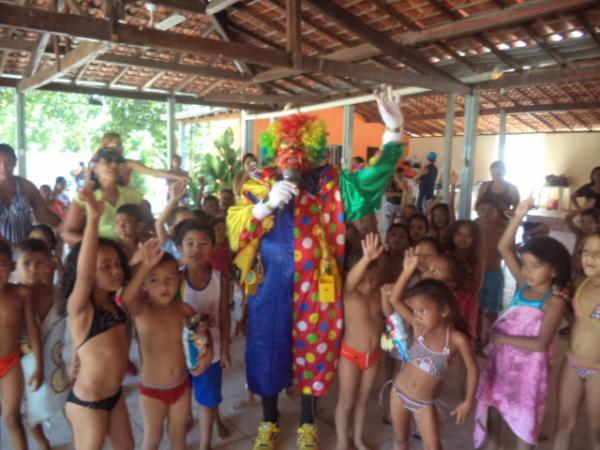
[219,169]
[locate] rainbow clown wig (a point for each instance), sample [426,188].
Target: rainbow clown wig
[300,132]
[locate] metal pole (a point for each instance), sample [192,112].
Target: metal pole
[502,135]
[21,135]
[466,188]
[171,129]
[348,148]
[448,146]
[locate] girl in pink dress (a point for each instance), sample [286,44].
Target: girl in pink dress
[514,383]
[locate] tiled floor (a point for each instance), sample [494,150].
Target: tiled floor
[243,423]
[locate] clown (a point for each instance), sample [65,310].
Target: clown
[289,237]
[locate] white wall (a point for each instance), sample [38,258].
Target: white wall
[570,154]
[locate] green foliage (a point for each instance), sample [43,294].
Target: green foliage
[8,117]
[219,169]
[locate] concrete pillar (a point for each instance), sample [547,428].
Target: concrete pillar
[21,135]
[449,134]
[348,147]
[171,129]
[466,188]
[502,135]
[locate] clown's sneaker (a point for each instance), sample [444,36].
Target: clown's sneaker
[267,434]
[307,437]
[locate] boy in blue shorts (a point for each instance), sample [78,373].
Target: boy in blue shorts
[491,294]
[205,290]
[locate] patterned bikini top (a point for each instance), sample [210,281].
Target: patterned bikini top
[583,311]
[433,363]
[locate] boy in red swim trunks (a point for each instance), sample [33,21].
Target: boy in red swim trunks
[360,346]
[15,311]
[159,319]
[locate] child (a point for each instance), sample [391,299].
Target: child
[589,221]
[16,310]
[580,374]
[33,263]
[390,261]
[418,227]
[94,271]
[492,226]
[171,216]
[440,333]
[127,220]
[221,256]
[45,233]
[426,250]
[514,383]
[464,240]
[165,386]
[441,217]
[210,205]
[360,351]
[206,290]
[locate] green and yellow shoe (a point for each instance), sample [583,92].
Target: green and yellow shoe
[307,437]
[267,435]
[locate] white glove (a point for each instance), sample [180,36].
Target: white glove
[281,193]
[388,104]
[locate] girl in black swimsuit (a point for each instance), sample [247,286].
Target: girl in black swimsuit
[95,270]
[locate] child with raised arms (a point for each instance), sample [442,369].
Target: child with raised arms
[206,290]
[16,315]
[94,271]
[360,351]
[440,333]
[150,297]
[514,382]
[580,375]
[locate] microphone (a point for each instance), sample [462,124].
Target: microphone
[293,176]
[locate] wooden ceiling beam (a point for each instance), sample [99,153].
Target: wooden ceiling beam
[541,43]
[518,109]
[216,6]
[84,52]
[226,36]
[37,53]
[587,25]
[148,84]
[576,72]
[117,78]
[186,69]
[294,32]
[189,6]
[185,83]
[3,60]
[380,40]
[136,95]
[511,15]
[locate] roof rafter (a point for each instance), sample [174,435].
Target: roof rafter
[84,52]
[408,56]
[512,15]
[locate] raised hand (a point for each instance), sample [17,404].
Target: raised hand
[179,189]
[453,178]
[388,104]
[386,291]
[151,253]
[411,260]
[371,247]
[94,206]
[523,207]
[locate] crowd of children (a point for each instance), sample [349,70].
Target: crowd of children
[434,289]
